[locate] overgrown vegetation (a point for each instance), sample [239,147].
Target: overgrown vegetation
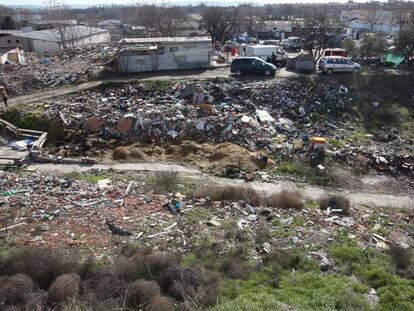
[284,199]
[49,279]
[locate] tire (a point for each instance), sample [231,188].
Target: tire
[355,70]
[329,71]
[267,73]
[238,73]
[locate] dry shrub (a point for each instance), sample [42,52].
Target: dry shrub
[130,269]
[230,193]
[163,182]
[262,233]
[43,265]
[35,301]
[160,304]
[15,289]
[192,286]
[86,268]
[157,263]
[136,153]
[402,256]
[65,287]
[120,153]
[103,284]
[336,201]
[141,292]
[236,268]
[286,199]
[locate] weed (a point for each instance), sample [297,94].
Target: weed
[402,256]
[336,201]
[164,182]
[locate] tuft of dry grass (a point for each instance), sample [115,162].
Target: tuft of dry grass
[15,289]
[236,268]
[120,153]
[193,287]
[230,193]
[64,288]
[336,201]
[160,304]
[43,265]
[286,199]
[164,182]
[141,292]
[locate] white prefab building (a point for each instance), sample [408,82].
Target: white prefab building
[164,53]
[53,40]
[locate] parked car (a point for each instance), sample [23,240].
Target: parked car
[331,64]
[292,43]
[251,65]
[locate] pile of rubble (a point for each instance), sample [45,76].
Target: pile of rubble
[278,117]
[40,72]
[254,115]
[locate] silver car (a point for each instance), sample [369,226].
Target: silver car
[331,64]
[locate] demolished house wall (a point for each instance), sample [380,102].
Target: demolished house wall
[168,56]
[12,41]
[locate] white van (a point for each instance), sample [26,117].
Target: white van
[265,51]
[331,64]
[292,43]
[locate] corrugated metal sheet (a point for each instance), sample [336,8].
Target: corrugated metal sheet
[129,63]
[165,40]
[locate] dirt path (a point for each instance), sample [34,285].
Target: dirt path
[224,72]
[358,198]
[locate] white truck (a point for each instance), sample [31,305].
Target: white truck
[266,51]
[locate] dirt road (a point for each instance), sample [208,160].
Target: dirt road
[358,198]
[223,72]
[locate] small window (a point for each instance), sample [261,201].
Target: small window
[330,61]
[173,49]
[9,41]
[17,41]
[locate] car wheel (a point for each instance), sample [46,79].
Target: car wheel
[356,70]
[238,73]
[329,71]
[267,73]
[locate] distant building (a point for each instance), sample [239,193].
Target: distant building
[110,23]
[359,26]
[163,53]
[45,24]
[52,41]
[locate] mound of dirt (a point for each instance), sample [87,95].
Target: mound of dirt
[217,157]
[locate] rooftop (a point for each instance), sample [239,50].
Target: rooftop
[68,32]
[165,40]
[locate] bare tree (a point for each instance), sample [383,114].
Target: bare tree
[374,15]
[402,18]
[161,17]
[315,33]
[66,29]
[220,22]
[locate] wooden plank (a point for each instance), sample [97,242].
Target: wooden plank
[38,144]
